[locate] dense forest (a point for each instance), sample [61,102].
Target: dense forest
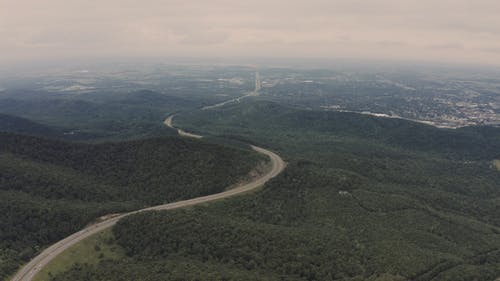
[271,119]
[99,116]
[15,124]
[362,198]
[51,188]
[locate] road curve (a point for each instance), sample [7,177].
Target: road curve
[181,132]
[36,264]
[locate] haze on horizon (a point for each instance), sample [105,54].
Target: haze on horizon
[463,31]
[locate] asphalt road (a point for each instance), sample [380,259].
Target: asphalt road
[36,264]
[181,132]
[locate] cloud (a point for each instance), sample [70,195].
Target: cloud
[447,46]
[456,30]
[495,50]
[205,38]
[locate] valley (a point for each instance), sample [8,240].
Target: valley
[363,196]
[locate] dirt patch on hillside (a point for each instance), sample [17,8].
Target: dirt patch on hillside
[262,168]
[496,164]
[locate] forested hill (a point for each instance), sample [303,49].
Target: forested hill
[357,201]
[51,188]
[15,124]
[362,198]
[470,142]
[101,116]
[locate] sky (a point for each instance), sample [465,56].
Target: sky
[463,31]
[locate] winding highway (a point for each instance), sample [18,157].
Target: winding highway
[27,272]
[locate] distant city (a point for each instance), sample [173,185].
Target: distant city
[452,99]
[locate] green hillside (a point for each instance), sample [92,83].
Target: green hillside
[51,188]
[267,117]
[14,124]
[98,116]
[362,198]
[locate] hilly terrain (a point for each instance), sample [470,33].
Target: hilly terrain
[100,116]
[15,124]
[51,188]
[362,198]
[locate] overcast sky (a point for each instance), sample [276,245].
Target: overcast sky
[435,30]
